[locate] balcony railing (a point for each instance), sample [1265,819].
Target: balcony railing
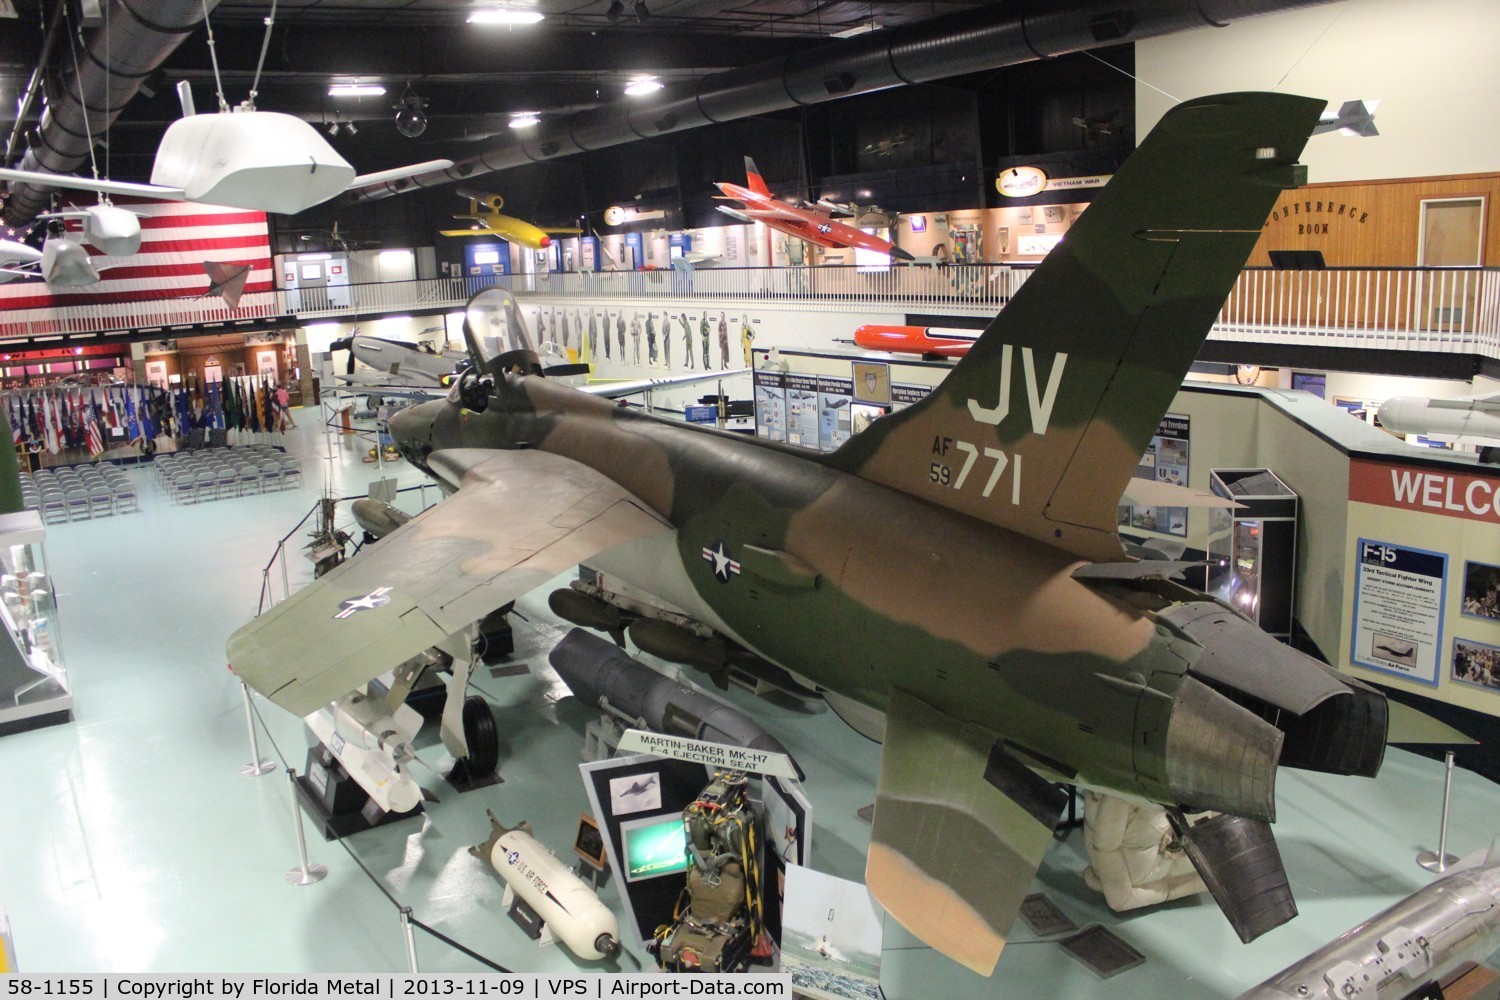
[1445,309]
[1427,309]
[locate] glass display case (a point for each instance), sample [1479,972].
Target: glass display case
[1252,549]
[33,683]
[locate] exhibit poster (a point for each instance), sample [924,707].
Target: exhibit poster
[633,794]
[1481,591]
[831,936]
[1398,609]
[872,382]
[835,424]
[770,406]
[862,415]
[1477,663]
[1166,461]
[903,396]
[802,410]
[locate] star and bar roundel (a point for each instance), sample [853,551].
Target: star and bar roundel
[724,565]
[369,602]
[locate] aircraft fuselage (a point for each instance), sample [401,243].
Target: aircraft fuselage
[859,588]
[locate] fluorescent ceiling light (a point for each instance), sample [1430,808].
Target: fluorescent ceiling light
[525,119]
[858,29]
[356,90]
[504,15]
[643,85]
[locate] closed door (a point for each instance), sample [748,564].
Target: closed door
[1451,236]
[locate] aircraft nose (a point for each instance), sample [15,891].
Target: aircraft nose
[411,429]
[546,242]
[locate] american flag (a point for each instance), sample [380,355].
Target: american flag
[176,238]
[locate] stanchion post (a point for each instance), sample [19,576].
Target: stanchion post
[286,584]
[1440,861]
[411,941]
[305,873]
[258,765]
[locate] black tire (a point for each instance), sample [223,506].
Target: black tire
[483,735]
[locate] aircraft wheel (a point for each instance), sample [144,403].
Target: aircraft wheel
[483,734]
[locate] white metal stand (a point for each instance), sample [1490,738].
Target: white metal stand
[1440,861]
[305,873]
[411,941]
[258,765]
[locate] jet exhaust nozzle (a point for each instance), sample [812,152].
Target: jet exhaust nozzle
[1221,756]
[1330,722]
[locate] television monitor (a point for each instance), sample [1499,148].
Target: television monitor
[653,846]
[1297,260]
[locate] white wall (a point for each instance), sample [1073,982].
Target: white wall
[1432,65]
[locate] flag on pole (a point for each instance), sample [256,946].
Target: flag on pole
[93,437]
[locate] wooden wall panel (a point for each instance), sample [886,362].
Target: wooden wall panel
[1373,223]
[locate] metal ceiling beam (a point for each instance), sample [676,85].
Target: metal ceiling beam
[974,40]
[395,54]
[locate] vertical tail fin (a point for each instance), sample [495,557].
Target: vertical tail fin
[1039,428]
[753,180]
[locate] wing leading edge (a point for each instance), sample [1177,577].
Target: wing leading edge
[519,519]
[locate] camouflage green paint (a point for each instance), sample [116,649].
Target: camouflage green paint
[930,562]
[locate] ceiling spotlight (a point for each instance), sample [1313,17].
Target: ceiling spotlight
[641,13]
[333,128]
[524,119]
[356,90]
[642,85]
[616,8]
[504,15]
[352,130]
[411,120]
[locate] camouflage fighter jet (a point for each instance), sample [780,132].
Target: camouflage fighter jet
[951,579]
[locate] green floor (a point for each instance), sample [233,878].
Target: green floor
[129,841]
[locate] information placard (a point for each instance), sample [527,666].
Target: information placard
[1398,609]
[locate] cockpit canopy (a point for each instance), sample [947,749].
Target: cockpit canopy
[496,334]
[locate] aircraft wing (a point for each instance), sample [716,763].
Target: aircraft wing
[614,390]
[519,519]
[74,182]
[783,215]
[959,831]
[398,173]
[390,389]
[471,232]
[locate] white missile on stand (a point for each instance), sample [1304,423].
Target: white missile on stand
[568,907]
[1469,421]
[373,744]
[1393,953]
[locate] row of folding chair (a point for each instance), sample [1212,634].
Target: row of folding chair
[193,477]
[79,493]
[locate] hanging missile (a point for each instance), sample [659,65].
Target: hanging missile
[376,517]
[601,673]
[1393,953]
[566,905]
[373,744]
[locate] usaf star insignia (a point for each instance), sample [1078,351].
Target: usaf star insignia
[724,566]
[374,599]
